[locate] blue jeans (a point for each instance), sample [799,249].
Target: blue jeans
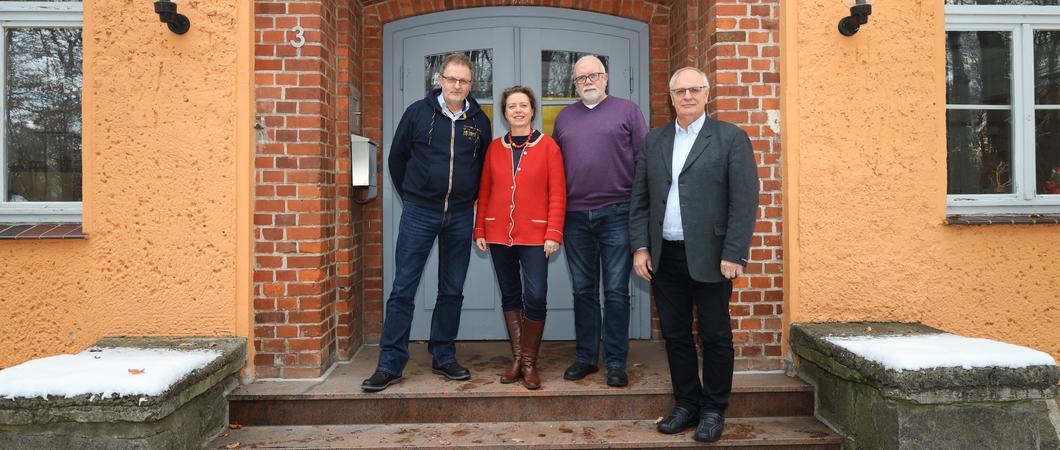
[522,274]
[597,242]
[417,232]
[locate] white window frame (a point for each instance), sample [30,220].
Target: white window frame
[1021,21]
[27,15]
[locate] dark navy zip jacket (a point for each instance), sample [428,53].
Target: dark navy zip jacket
[436,162]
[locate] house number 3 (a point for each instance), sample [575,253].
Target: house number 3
[299,37]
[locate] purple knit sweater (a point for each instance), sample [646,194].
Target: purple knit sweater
[600,147]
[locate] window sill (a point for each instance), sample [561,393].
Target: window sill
[22,231]
[1003,219]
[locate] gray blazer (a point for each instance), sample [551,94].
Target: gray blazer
[719,197]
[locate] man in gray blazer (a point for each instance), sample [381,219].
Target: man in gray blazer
[691,217]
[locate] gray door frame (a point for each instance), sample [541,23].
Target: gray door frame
[515,17]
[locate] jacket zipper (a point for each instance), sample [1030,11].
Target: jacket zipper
[452,156]
[511,205]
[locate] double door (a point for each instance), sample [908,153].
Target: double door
[534,47]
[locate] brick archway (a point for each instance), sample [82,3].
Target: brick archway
[318,277]
[378,14]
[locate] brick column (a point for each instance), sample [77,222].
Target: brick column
[297,207]
[739,48]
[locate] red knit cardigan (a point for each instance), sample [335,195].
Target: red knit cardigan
[527,207]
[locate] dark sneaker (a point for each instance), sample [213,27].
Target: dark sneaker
[616,377]
[579,370]
[711,424]
[379,381]
[679,419]
[453,371]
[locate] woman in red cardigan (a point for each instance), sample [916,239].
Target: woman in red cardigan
[521,205]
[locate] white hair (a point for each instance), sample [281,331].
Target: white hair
[594,58]
[678,72]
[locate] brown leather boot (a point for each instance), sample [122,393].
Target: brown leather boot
[514,321]
[531,334]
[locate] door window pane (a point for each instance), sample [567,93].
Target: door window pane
[1047,67]
[979,158]
[978,67]
[1047,128]
[481,72]
[557,73]
[43,105]
[548,117]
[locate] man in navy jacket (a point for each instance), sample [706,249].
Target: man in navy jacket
[435,163]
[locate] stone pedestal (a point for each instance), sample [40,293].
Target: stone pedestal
[188,415]
[938,408]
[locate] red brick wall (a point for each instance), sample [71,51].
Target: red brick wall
[319,256]
[303,249]
[739,48]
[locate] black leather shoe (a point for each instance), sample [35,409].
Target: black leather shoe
[579,370]
[711,424]
[617,377]
[453,371]
[379,381]
[679,419]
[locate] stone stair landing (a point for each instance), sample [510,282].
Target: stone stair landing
[767,410]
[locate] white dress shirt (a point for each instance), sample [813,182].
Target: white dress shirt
[454,116]
[683,140]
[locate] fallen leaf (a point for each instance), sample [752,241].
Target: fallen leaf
[658,420]
[137,371]
[638,365]
[225,434]
[517,440]
[185,344]
[234,426]
[95,350]
[232,445]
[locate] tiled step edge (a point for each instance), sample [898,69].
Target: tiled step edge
[804,433]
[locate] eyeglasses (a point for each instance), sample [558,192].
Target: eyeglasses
[590,77]
[457,81]
[680,92]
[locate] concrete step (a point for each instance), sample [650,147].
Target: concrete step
[760,433]
[423,397]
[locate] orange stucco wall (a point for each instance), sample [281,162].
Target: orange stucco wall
[167,138]
[865,188]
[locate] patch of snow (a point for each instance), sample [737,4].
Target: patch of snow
[927,351]
[103,372]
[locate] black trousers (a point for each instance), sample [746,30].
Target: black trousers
[675,294]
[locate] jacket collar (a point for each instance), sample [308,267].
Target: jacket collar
[473,107]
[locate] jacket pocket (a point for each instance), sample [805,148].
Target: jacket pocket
[537,221]
[489,218]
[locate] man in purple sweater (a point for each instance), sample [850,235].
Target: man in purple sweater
[600,137]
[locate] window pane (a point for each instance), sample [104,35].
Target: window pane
[548,117]
[979,158]
[481,71]
[43,103]
[1005,2]
[1047,127]
[1047,67]
[557,73]
[978,67]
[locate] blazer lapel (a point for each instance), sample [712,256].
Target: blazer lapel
[667,152]
[698,147]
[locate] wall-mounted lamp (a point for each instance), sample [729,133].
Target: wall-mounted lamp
[859,15]
[167,13]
